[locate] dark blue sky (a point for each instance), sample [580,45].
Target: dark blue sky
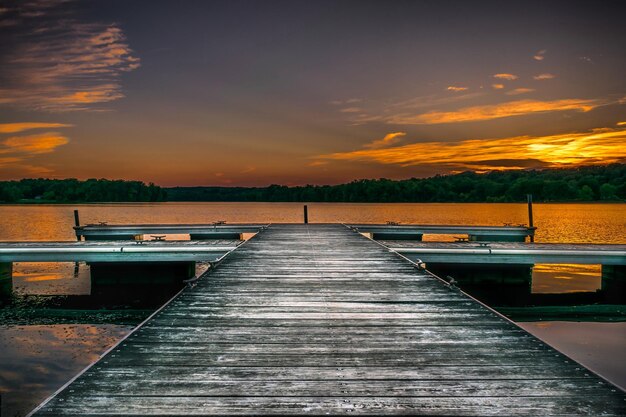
[292,92]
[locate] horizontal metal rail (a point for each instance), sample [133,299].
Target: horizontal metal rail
[120,252]
[518,256]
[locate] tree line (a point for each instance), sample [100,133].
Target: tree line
[591,183]
[74,191]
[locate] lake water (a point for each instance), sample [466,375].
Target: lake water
[36,359]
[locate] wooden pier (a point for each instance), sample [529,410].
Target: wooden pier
[318,320]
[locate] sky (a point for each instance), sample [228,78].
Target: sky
[252,93]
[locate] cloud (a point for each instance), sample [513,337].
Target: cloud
[621,123]
[389,139]
[519,91]
[497,86]
[545,76]
[456,89]
[539,56]
[346,101]
[33,144]
[351,110]
[317,163]
[20,127]
[380,111]
[495,111]
[505,76]
[599,146]
[56,63]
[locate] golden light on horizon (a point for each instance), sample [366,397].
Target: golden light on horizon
[601,146]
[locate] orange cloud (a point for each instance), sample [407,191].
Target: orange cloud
[519,91]
[496,111]
[621,123]
[101,94]
[497,86]
[77,67]
[545,76]
[505,76]
[389,139]
[351,110]
[20,127]
[598,146]
[456,89]
[35,144]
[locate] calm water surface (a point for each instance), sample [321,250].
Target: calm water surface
[37,359]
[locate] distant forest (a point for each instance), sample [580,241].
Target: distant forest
[591,183]
[75,191]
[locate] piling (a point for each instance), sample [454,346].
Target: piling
[530,215]
[77,223]
[6,279]
[306,214]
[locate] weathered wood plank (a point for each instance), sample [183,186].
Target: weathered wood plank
[91,406]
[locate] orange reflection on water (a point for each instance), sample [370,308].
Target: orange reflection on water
[51,278]
[563,278]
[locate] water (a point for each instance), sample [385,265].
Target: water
[37,358]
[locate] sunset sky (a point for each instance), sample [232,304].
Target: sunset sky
[295,92]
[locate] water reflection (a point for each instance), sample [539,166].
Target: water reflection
[598,346]
[37,360]
[51,278]
[552,278]
[599,223]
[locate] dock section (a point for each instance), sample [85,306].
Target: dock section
[391,231]
[115,251]
[318,320]
[506,268]
[217,230]
[516,253]
[117,265]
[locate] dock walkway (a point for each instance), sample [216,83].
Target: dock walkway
[317,319]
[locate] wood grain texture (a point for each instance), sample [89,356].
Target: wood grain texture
[318,320]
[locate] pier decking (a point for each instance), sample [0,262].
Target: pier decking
[317,319]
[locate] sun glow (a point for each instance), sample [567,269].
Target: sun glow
[600,146]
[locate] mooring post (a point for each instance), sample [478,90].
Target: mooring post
[306,214]
[530,215]
[76,223]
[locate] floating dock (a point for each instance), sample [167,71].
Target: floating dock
[393,230]
[510,252]
[218,230]
[318,320]
[116,251]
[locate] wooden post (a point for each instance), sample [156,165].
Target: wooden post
[530,215]
[306,214]
[77,223]
[6,280]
